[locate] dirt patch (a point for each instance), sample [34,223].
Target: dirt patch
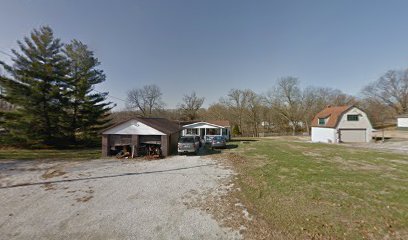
[291,138]
[394,145]
[49,186]
[50,173]
[399,161]
[84,198]
[226,206]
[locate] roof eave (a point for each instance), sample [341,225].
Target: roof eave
[215,125]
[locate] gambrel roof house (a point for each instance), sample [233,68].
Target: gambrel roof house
[341,124]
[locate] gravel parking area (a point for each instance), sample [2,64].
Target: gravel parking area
[393,145]
[110,199]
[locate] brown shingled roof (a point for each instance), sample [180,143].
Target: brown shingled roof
[161,124]
[333,113]
[222,123]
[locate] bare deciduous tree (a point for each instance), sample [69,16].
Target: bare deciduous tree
[254,107]
[237,102]
[309,103]
[217,111]
[315,99]
[286,100]
[391,89]
[190,106]
[145,99]
[380,114]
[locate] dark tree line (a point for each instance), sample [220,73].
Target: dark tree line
[50,86]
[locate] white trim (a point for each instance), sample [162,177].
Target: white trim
[197,123]
[133,127]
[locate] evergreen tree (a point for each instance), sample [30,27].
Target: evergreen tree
[236,131]
[87,113]
[33,84]
[51,88]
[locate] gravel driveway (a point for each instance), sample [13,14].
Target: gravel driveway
[393,145]
[110,199]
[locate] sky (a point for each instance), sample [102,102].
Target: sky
[212,46]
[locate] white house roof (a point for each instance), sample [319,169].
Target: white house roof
[202,125]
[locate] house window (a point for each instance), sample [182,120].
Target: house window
[322,121]
[192,131]
[352,117]
[213,131]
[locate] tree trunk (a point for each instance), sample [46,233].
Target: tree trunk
[307,128]
[383,134]
[74,124]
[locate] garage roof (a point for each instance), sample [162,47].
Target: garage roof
[161,124]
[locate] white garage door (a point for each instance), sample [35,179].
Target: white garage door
[353,135]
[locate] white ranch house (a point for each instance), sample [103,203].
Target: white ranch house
[208,130]
[341,124]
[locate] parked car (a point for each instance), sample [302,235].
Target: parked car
[188,144]
[218,142]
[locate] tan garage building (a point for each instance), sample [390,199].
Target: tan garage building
[135,133]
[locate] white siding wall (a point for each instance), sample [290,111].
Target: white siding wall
[362,123]
[402,122]
[325,135]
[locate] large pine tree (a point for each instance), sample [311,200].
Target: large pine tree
[86,110]
[33,85]
[51,88]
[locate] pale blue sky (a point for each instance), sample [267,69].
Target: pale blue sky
[213,46]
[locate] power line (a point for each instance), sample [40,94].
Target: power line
[111,96]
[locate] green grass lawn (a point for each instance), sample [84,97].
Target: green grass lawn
[27,154]
[306,190]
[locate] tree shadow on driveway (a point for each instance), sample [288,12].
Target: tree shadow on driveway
[206,150]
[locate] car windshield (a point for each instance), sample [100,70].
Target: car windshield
[186,140]
[218,138]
